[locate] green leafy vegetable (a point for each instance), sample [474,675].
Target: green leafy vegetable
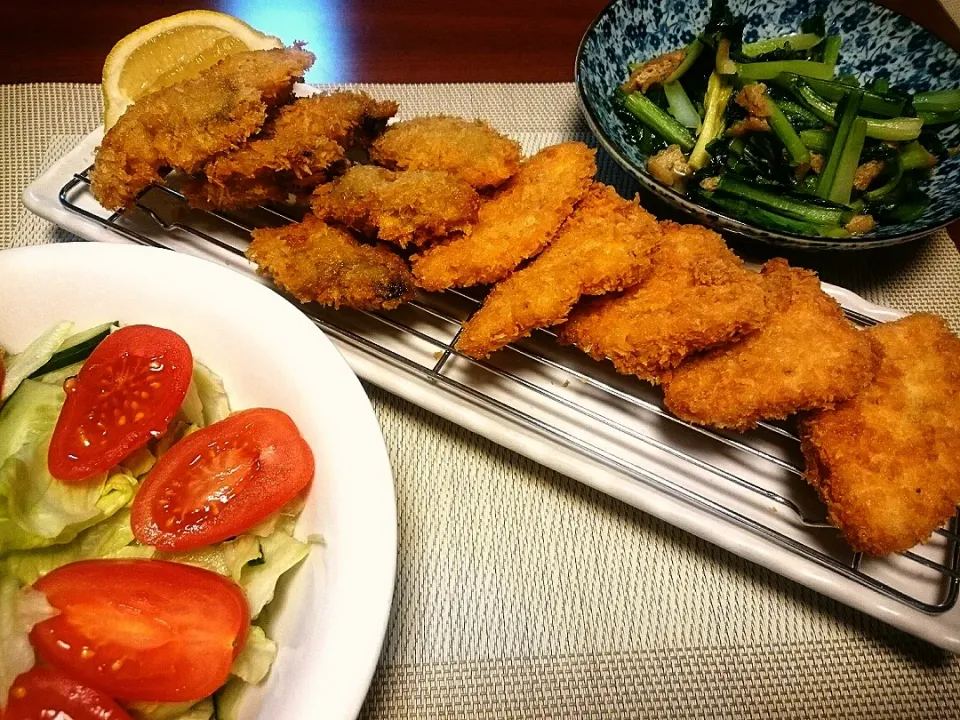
[254,661]
[20,366]
[111,538]
[664,125]
[36,509]
[20,610]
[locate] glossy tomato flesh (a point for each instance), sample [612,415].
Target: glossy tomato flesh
[146,630]
[45,693]
[127,392]
[222,480]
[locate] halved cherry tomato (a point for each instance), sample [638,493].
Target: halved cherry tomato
[127,392]
[142,629]
[45,692]
[222,480]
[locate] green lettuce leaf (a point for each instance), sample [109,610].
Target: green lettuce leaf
[254,661]
[34,356]
[206,401]
[226,558]
[20,610]
[281,552]
[112,538]
[202,710]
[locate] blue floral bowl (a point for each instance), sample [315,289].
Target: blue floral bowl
[876,43]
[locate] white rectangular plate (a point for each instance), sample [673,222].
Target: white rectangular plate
[741,492]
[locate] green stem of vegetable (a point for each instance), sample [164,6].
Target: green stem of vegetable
[681,107]
[894,129]
[888,187]
[799,155]
[658,120]
[798,115]
[872,103]
[938,118]
[845,118]
[800,41]
[791,207]
[805,94]
[881,86]
[724,65]
[742,210]
[694,49]
[817,140]
[831,49]
[715,105]
[937,101]
[914,156]
[770,70]
[849,161]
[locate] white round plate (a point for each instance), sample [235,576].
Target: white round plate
[332,614]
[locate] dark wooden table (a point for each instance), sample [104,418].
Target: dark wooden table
[355,40]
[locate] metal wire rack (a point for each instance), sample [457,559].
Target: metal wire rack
[434,321]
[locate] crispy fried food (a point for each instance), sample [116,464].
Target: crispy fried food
[654,72]
[699,295]
[887,462]
[316,262]
[605,245]
[295,152]
[515,225]
[184,125]
[470,149]
[404,208]
[805,356]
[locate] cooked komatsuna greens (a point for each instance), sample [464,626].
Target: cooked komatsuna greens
[767,132]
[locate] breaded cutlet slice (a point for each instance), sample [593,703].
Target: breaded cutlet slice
[298,148]
[315,262]
[470,149]
[405,208]
[516,224]
[806,356]
[698,295]
[887,461]
[605,245]
[184,125]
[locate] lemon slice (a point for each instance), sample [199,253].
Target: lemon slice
[169,50]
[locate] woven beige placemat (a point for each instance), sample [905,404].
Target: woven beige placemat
[520,593]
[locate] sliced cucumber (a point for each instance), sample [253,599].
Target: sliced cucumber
[76,348]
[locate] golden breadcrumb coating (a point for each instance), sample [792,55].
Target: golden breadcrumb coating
[605,245]
[297,150]
[805,356]
[182,126]
[404,208]
[887,461]
[470,149]
[516,224]
[315,262]
[699,295]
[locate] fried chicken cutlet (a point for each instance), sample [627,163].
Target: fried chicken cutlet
[404,208]
[470,149]
[699,295]
[294,152]
[182,126]
[605,245]
[516,224]
[887,461]
[315,262]
[805,356]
